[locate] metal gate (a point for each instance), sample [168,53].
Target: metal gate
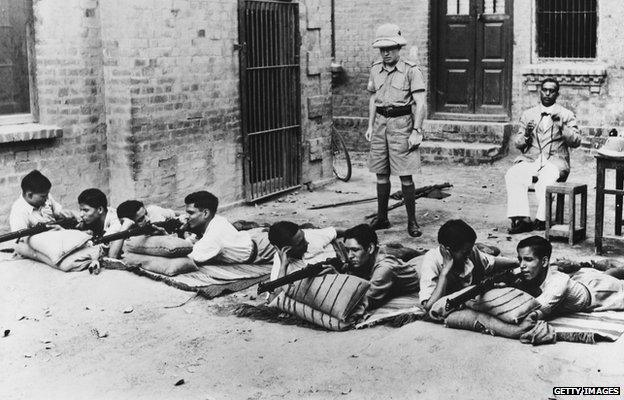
[270,96]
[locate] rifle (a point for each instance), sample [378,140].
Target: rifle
[509,276]
[311,270]
[66,223]
[170,226]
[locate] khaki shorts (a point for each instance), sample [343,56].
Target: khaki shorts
[389,153]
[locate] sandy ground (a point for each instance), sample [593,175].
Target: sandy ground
[77,336]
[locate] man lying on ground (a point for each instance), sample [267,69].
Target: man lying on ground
[35,205]
[559,293]
[389,277]
[298,247]
[132,212]
[99,219]
[456,263]
[216,240]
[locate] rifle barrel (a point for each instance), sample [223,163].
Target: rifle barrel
[307,272]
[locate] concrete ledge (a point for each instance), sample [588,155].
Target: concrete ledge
[466,153]
[28,132]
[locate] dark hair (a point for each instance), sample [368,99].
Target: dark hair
[281,233]
[551,80]
[363,234]
[455,233]
[35,182]
[203,200]
[93,198]
[540,246]
[128,209]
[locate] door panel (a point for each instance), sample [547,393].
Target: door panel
[473,57]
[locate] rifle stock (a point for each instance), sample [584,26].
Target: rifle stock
[311,270]
[508,276]
[66,223]
[170,225]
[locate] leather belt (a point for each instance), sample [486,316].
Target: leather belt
[394,111]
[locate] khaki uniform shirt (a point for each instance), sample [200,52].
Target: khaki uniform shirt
[394,86]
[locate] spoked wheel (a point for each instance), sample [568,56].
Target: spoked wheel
[340,156]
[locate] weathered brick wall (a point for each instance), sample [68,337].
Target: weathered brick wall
[356,22]
[172,98]
[594,110]
[147,92]
[68,81]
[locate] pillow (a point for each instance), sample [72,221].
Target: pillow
[162,246]
[55,245]
[161,265]
[480,322]
[309,314]
[508,304]
[336,295]
[80,259]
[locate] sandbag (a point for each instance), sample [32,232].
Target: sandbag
[336,295]
[55,245]
[480,322]
[162,246]
[307,313]
[161,265]
[80,259]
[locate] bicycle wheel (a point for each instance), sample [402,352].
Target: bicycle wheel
[340,157]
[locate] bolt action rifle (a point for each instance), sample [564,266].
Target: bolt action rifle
[171,225]
[508,277]
[310,271]
[65,223]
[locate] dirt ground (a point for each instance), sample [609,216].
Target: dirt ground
[111,336]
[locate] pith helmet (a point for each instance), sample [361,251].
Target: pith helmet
[613,147]
[388,35]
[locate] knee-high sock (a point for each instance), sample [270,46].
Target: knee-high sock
[409,196]
[383,195]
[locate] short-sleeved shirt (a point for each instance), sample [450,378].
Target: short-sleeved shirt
[221,242]
[319,249]
[23,215]
[390,277]
[433,264]
[561,295]
[394,85]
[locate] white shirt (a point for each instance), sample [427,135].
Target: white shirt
[111,222]
[23,215]
[319,249]
[222,242]
[433,264]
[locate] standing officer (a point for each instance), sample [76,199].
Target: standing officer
[396,113]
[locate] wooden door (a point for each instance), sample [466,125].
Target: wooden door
[270,96]
[472,59]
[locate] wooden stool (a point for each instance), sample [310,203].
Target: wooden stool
[560,229]
[602,164]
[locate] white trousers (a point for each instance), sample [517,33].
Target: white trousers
[517,181]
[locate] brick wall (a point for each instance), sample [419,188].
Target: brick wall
[146,92]
[69,82]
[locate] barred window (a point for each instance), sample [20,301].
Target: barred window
[14,76]
[566,28]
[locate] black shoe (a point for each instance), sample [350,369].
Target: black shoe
[413,229]
[380,223]
[539,225]
[520,226]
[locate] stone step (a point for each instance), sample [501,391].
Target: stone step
[433,151]
[468,131]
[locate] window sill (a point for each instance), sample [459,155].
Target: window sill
[591,76]
[28,132]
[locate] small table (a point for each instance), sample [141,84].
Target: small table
[560,229]
[602,164]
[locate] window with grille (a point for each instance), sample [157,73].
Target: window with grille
[566,28]
[14,75]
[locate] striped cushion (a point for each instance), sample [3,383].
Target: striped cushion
[336,295]
[309,314]
[507,304]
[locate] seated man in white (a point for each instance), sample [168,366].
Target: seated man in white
[546,134]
